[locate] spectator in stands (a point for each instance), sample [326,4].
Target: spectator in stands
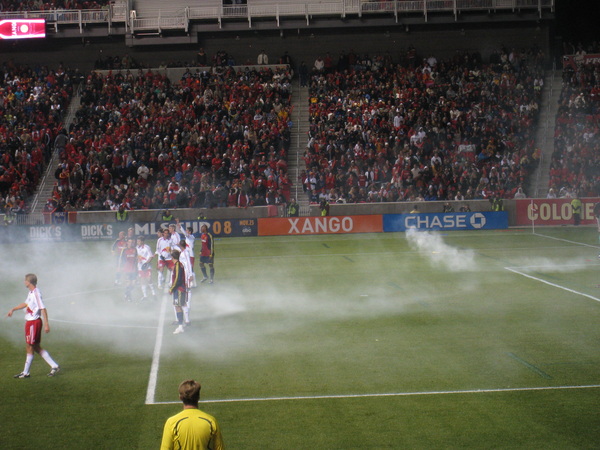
[421,139]
[262,59]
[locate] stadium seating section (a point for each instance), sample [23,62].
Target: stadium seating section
[380,131]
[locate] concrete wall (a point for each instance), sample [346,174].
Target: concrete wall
[264,211]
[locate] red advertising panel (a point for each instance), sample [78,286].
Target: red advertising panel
[320,225]
[553,211]
[22,28]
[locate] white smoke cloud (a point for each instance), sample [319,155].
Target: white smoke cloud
[440,255]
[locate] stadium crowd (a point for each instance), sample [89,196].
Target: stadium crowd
[575,166]
[32,101]
[214,139]
[422,130]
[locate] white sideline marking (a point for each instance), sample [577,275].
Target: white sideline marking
[565,240]
[572,291]
[390,394]
[542,266]
[156,355]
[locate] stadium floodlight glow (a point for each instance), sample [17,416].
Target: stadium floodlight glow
[22,28]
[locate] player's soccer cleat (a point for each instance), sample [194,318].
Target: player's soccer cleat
[211,281]
[22,375]
[54,371]
[203,280]
[178,330]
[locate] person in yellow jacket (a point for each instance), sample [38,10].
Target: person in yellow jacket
[191,428]
[576,207]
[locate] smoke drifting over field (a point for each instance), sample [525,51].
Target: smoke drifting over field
[252,303]
[441,255]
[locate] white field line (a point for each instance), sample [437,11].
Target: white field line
[150,393]
[546,266]
[390,394]
[572,291]
[565,240]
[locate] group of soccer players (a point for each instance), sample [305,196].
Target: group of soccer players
[175,265]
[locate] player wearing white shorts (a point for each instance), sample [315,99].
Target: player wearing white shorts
[145,256]
[184,258]
[165,261]
[35,311]
[190,240]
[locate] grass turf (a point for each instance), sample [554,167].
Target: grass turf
[354,341]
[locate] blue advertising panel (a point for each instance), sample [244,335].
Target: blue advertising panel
[492,220]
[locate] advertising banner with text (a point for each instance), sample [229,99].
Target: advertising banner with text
[320,225]
[109,231]
[553,211]
[496,220]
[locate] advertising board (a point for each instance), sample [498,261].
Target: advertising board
[491,220]
[320,225]
[557,211]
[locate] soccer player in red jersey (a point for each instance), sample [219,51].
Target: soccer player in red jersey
[207,254]
[35,311]
[117,247]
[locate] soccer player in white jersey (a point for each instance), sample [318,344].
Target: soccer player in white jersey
[190,240]
[165,261]
[35,311]
[145,256]
[185,260]
[175,238]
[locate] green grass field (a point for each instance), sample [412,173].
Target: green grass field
[426,340]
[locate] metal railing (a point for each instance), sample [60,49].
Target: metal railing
[121,11]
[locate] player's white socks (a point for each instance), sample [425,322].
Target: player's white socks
[28,361]
[186,314]
[44,354]
[161,279]
[144,290]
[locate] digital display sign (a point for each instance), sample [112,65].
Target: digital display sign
[22,28]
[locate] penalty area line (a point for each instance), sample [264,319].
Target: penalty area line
[153,378]
[572,291]
[391,394]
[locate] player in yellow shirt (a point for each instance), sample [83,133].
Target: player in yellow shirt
[191,429]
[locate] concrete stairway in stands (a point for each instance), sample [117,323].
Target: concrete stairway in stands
[46,186]
[544,138]
[299,138]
